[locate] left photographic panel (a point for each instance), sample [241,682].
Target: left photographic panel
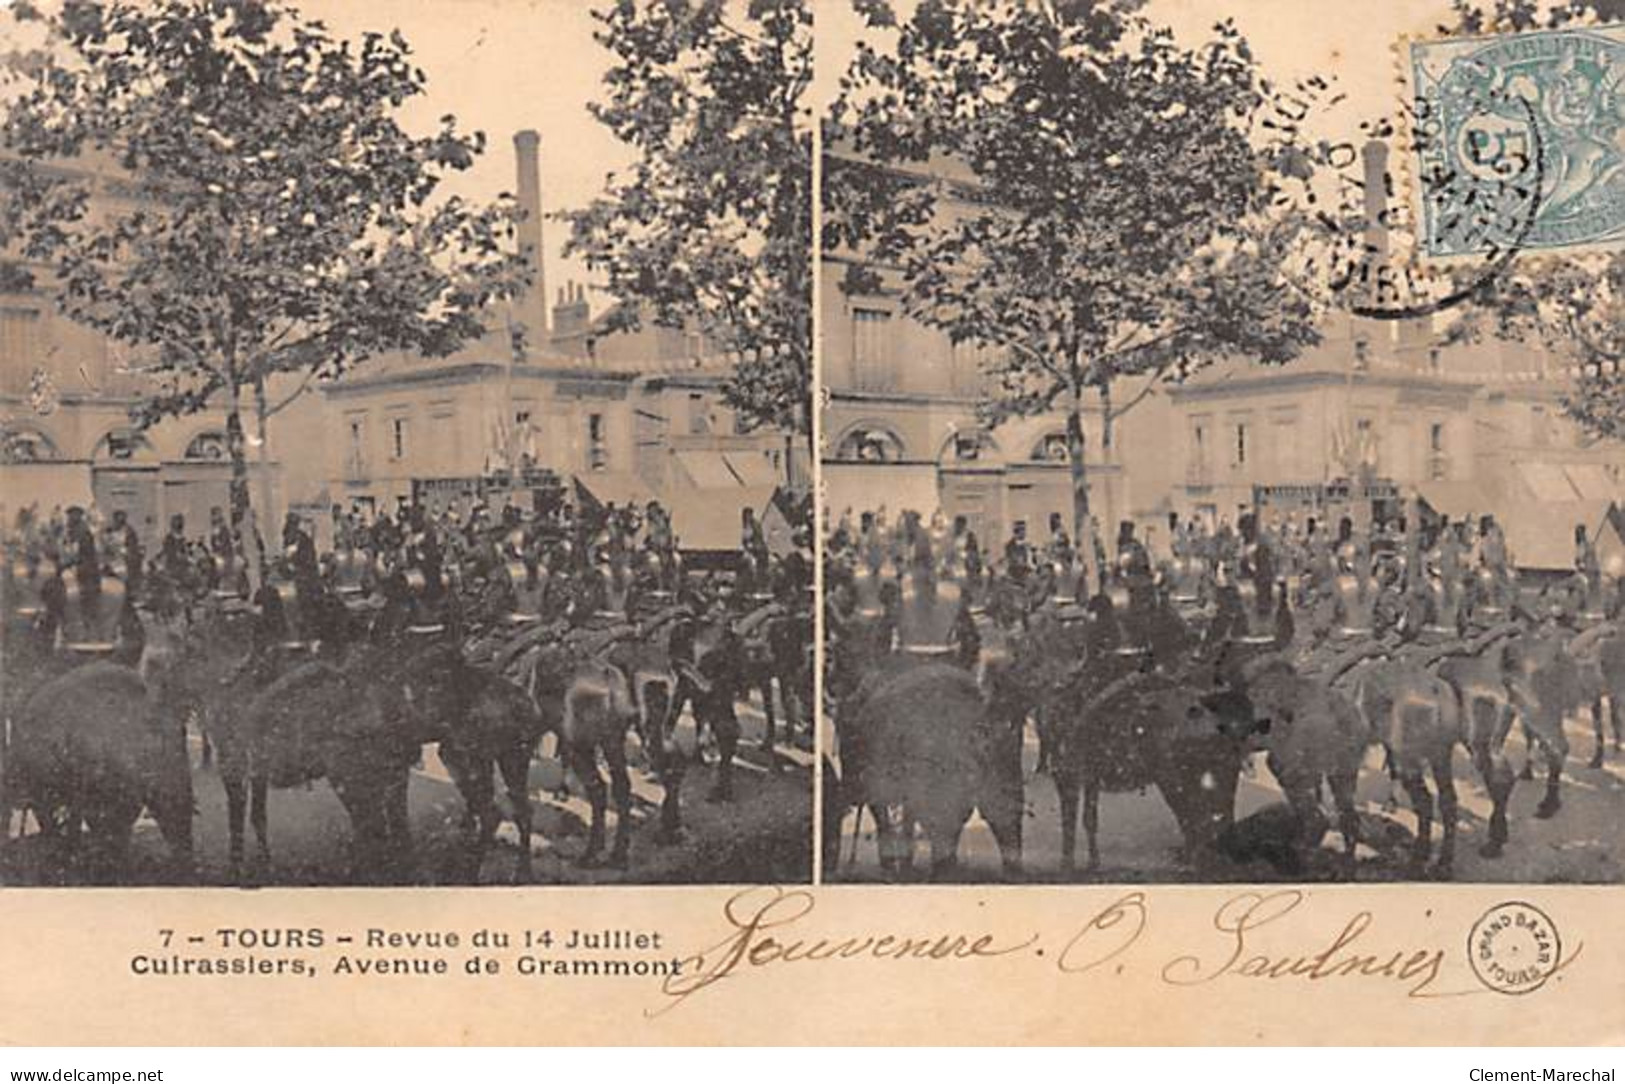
[404,456]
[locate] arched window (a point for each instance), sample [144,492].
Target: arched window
[969,446]
[869,444]
[1051,448]
[122,446]
[21,445]
[209,446]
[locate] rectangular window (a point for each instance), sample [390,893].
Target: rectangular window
[1539,433]
[1438,462]
[1241,444]
[397,438]
[355,458]
[19,336]
[597,446]
[873,367]
[699,418]
[968,362]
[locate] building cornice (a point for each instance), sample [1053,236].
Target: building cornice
[473,373]
[1288,380]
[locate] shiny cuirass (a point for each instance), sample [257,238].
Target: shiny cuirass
[1356,603]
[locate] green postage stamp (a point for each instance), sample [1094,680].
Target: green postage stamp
[1520,142]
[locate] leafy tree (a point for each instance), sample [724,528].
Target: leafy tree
[711,227]
[1114,214]
[277,217]
[1573,308]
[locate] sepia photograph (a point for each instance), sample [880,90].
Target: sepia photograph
[1222,441]
[406,471]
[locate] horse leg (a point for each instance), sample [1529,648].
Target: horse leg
[233,779]
[584,762]
[764,684]
[394,793]
[471,774]
[726,727]
[1066,789]
[1342,783]
[1555,744]
[1528,770]
[1499,779]
[1616,708]
[259,798]
[1091,817]
[620,786]
[671,783]
[515,767]
[1416,786]
[1444,779]
[1598,730]
[944,833]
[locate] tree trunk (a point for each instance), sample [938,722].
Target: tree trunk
[1082,530]
[1108,491]
[242,524]
[261,425]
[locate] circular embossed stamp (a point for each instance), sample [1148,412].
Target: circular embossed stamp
[1514,948]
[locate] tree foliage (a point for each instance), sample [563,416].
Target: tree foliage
[1066,185]
[712,226]
[223,187]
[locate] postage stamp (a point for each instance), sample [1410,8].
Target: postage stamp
[1520,142]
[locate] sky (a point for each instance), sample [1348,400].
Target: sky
[500,66]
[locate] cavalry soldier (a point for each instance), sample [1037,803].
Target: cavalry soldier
[88,610]
[929,606]
[1355,598]
[1588,583]
[751,539]
[26,574]
[1494,590]
[1060,550]
[658,537]
[1255,583]
[227,576]
[1133,562]
[175,557]
[123,548]
[1017,553]
[350,573]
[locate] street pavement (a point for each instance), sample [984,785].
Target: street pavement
[1583,844]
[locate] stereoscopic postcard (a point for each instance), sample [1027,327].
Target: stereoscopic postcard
[824,521]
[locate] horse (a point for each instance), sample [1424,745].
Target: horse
[777,646]
[491,728]
[921,745]
[97,744]
[1311,734]
[597,711]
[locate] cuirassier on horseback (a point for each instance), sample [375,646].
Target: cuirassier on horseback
[457,639]
[1330,650]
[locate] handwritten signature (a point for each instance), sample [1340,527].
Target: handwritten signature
[772,927]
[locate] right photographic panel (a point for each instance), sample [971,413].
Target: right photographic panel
[1223,441]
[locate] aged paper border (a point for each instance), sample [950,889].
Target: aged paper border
[1024,965]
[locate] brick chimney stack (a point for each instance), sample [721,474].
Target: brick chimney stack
[530,308]
[571,313]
